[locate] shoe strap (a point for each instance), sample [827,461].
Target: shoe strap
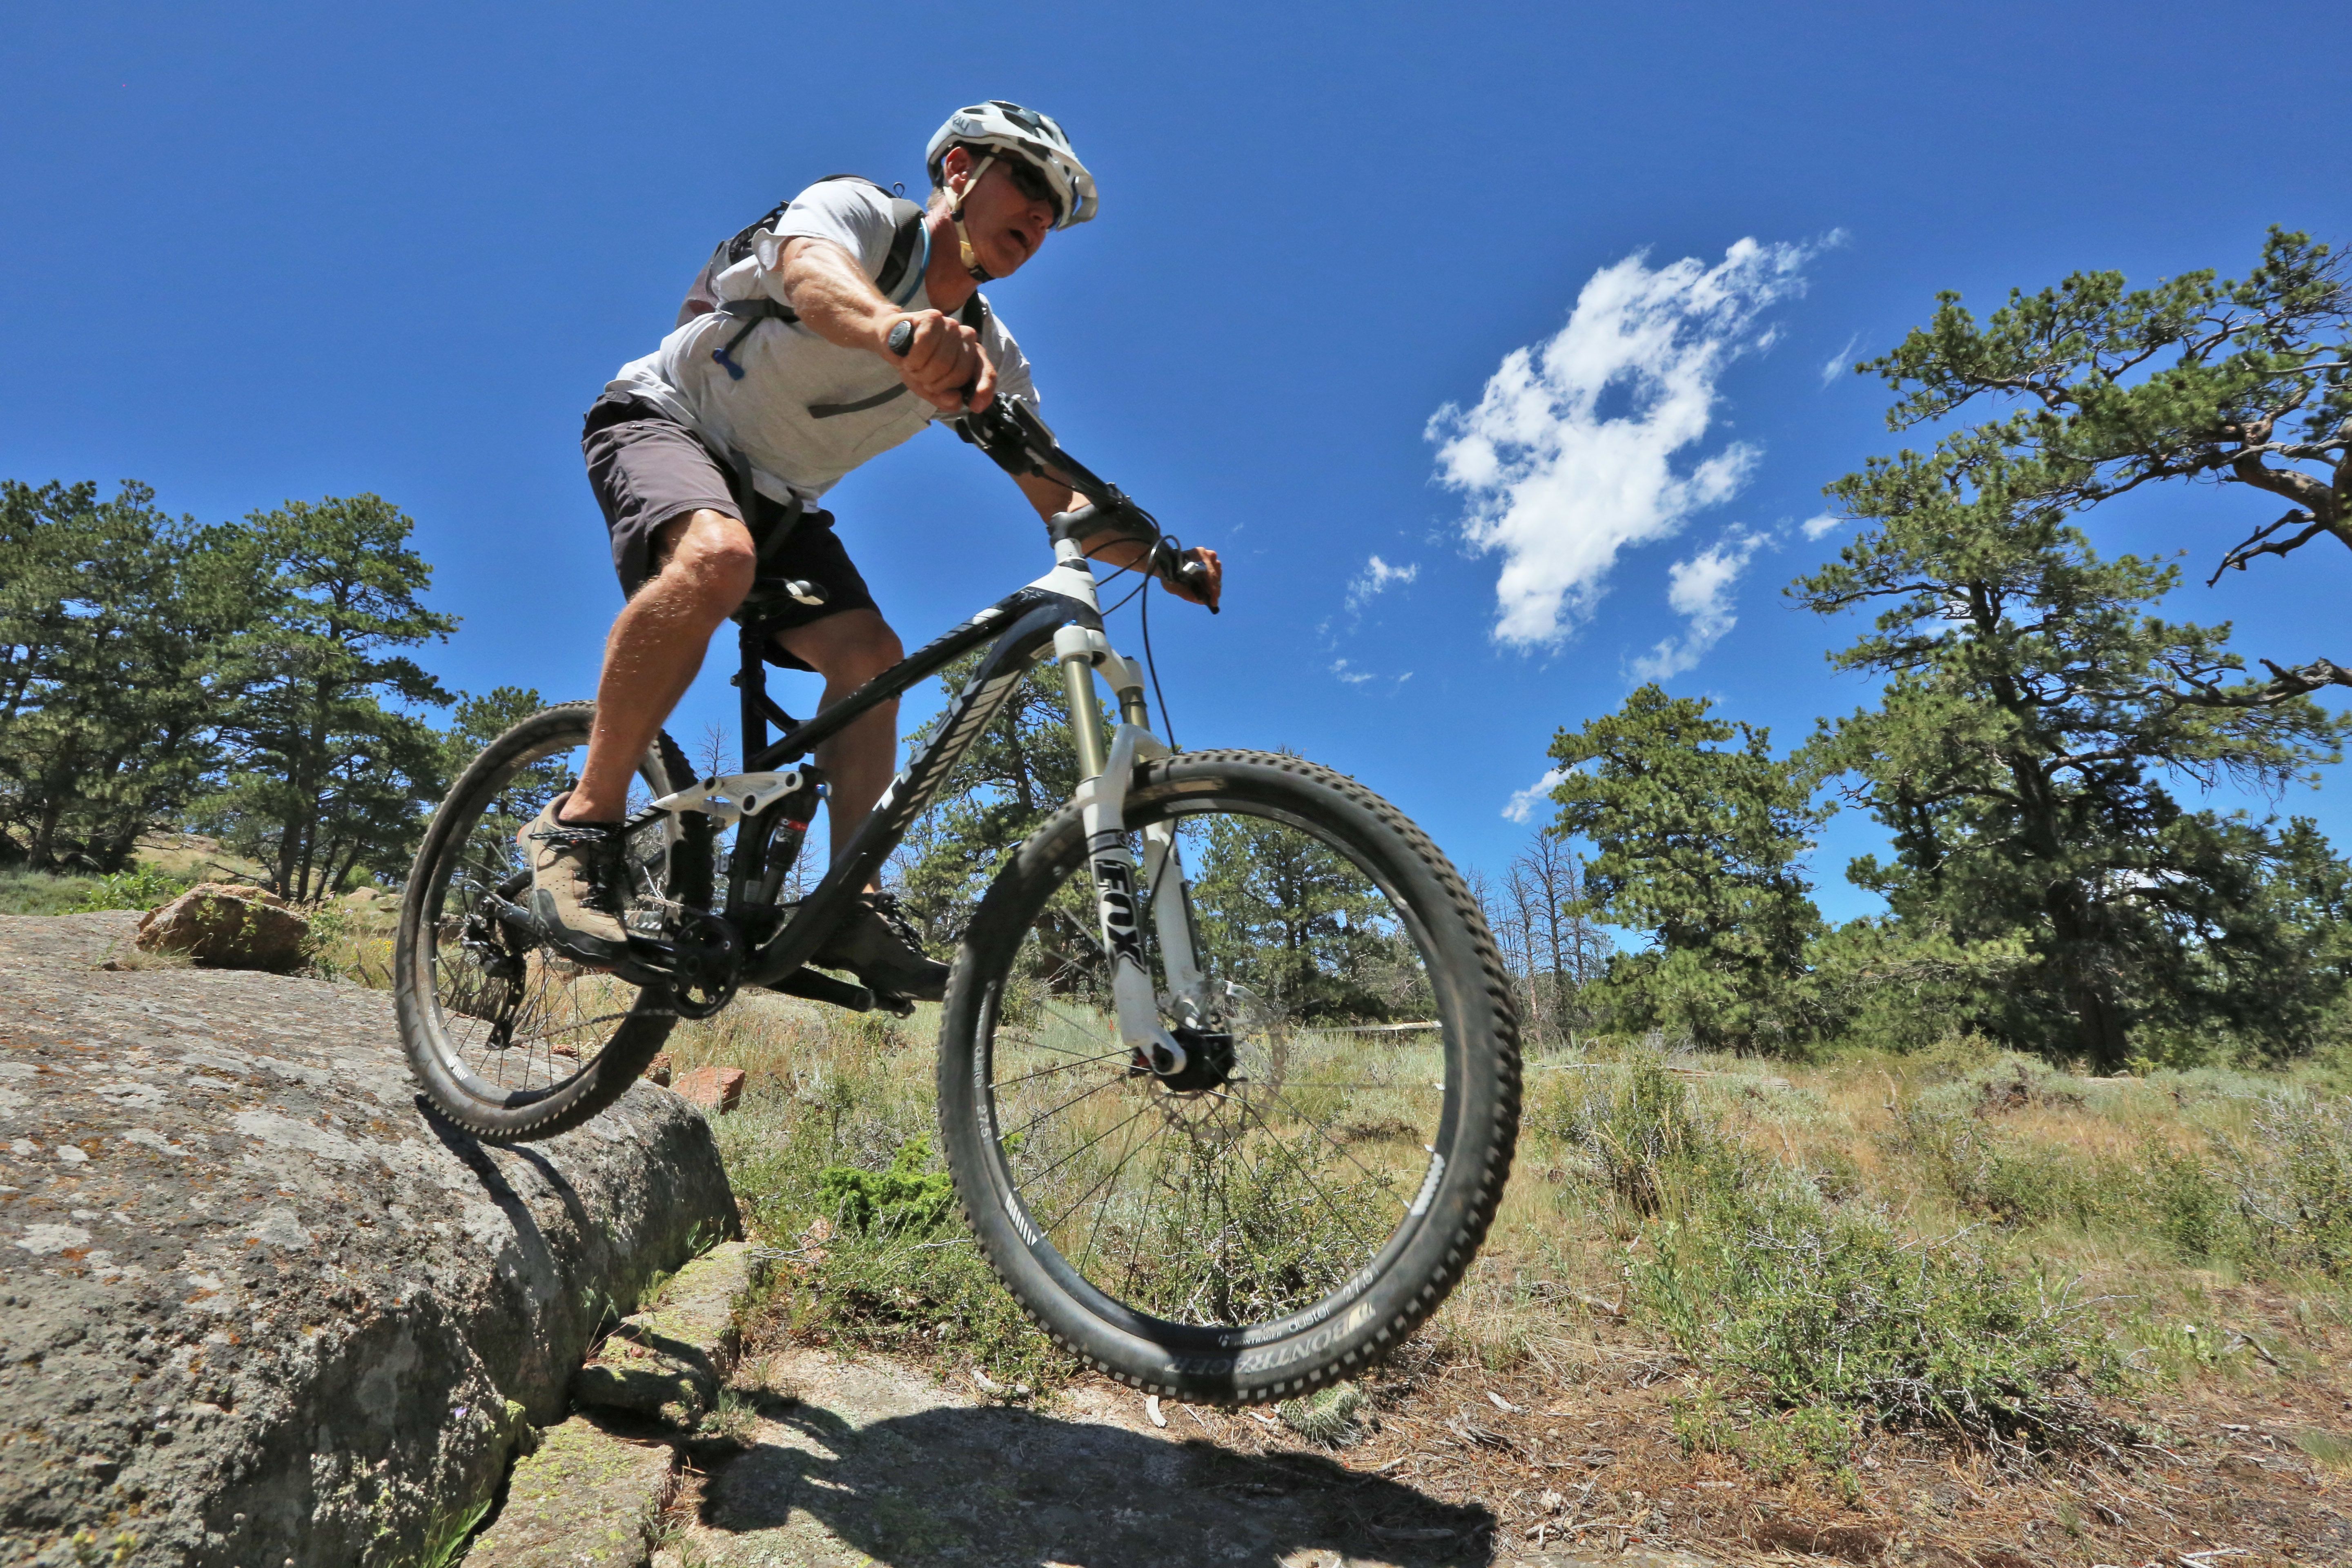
[886,906]
[574,835]
[605,839]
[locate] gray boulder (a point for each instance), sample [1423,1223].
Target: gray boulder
[255,1307]
[227,925]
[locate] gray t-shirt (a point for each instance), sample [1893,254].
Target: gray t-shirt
[770,416]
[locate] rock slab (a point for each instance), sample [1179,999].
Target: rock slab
[668,1359]
[589,1497]
[861,1461]
[253,1305]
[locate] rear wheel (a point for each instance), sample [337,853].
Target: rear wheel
[510,1039]
[1314,1183]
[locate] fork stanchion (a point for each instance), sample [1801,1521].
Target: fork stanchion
[1075,647]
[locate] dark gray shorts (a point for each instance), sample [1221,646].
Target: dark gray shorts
[648,470]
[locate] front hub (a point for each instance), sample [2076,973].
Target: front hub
[1208,1061]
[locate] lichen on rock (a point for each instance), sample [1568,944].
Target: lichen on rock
[254,1304]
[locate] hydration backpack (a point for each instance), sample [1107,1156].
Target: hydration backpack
[898,279]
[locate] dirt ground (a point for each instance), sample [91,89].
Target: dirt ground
[863,1460]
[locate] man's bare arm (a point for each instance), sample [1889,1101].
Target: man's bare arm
[837,301]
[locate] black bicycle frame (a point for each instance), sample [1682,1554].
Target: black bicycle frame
[1021,623]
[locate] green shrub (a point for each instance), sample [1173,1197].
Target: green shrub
[139,888]
[936,1300]
[2008,1081]
[26,892]
[1643,1141]
[1776,1444]
[1835,1175]
[1796,1306]
[2002,1178]
[904,1201]
[2189,1204]
[2294,1180]
[1791,1305]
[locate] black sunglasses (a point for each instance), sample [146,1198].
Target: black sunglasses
[1029,180]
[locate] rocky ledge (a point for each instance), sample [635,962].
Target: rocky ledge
[256,1308]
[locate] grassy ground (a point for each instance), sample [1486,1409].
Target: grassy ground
[1950,1306]
[165,864]
[350,937]
[1944,1307]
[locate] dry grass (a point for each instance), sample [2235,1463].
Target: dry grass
[2238,1421]
[2233,1417]
[2232,1427]
[351,939]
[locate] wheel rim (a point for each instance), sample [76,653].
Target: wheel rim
[1240,1212]
[513,1022]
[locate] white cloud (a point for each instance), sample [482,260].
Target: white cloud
[1817,526]
[1560,488]
[1525,801]
[1835,365]
[1377,575]
[1352,677]
[1699,589]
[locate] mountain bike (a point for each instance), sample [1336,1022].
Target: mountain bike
[1228,1067]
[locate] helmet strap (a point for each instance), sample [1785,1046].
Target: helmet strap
[955,213]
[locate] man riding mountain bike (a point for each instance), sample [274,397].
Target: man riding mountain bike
[787,370]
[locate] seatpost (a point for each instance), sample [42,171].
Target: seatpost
[751,685]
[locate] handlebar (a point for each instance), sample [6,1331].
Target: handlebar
[1021,443]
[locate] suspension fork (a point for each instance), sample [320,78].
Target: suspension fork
[1106,773]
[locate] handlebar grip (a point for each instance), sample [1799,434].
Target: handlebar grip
[1196,576]
[901,338]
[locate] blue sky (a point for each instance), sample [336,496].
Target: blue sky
[259,252]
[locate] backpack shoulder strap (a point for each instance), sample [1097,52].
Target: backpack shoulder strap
[894,280]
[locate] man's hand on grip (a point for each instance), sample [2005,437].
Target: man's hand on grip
[942,362]
[1198,576]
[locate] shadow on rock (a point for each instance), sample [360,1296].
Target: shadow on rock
[953,1485]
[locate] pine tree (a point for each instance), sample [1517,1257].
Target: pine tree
[2245,385]
[329,772]
[1019,770]
[2032,720]
[111,618]
[1698,845]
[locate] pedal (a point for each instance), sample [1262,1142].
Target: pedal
[813,986]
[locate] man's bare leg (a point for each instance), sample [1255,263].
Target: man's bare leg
[850,649]
[874,942]
[704,565]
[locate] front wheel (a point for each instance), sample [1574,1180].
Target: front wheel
[1298,1203]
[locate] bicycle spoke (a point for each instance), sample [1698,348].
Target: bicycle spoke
[1082,1147]
[1079,1202]
[1119,1055]
[1272,1176]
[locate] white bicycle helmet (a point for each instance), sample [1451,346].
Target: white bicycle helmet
[1026,134]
